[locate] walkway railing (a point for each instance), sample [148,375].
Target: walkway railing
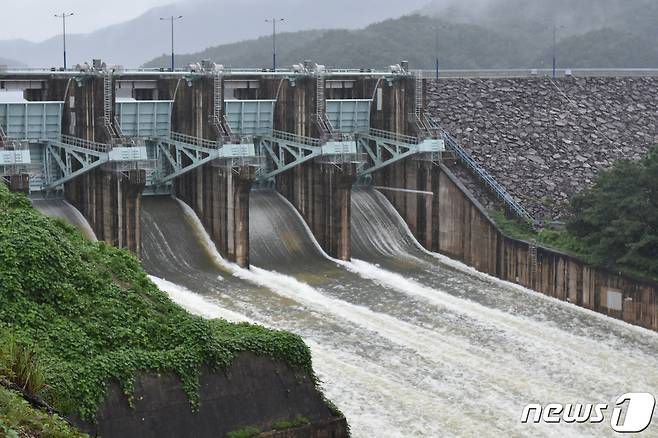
[196,141]
[388,135]
[487,179]
[287,136]
[85,144]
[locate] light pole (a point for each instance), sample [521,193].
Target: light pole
[172,19]
[63,16]
[555,28]
[436,50]
[274,21]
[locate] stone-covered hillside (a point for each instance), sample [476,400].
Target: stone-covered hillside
[545,140]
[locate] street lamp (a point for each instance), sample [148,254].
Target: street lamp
[274,21]
[436,50]
[63,16]
[172,19]
[555,28]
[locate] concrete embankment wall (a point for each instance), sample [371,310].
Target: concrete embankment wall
[218,193]
[448,220]
[545,140]
[254,391]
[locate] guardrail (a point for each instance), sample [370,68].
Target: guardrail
[387,135]
[287,136]
[196,141]
[538,73]
[85,144]
[487,179]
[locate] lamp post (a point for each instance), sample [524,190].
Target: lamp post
[63,16]
[274,21]
[555,28]
[172,19]
[436,50]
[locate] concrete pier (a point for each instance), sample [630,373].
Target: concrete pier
[321,192]
[218,191]
[109,198]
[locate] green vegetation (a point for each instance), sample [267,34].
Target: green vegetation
[19,420]
[91,314]
[251,431]
[19,365]
[245,432]
[617,218]
[298,421]
[614,223]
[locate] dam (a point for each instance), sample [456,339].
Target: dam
[318,202]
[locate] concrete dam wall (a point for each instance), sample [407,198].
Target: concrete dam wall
[544,139]
[446,218]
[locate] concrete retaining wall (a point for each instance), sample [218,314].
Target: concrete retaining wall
[450,221]
[255,391]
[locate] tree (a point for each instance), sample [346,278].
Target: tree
[617,218]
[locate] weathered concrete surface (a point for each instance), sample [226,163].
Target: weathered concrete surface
[334,428]
[321,192]
[111,203]
[220,197]
[255,391]
[110,200]
[217,192]
[545,142]
[19,183]
[452,222]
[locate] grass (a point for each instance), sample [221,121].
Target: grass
[298,421]
[245,432]
[19,420]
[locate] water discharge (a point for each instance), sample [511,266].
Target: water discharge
[61,209]
[407,343]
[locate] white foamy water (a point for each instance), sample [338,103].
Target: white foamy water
[408,354]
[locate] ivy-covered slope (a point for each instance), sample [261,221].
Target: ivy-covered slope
[92,315]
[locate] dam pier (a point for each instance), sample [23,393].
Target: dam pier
[328,203]
[105,138]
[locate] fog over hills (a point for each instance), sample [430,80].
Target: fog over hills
[471,34]
[205,23]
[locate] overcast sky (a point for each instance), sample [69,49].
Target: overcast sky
[33,19]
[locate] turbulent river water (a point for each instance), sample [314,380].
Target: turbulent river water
[407,343]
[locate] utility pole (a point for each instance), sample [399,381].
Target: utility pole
[172,19]
[555,28]
[436,50]
[63,16]
[274,21]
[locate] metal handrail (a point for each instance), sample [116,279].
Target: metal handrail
[288,136]
[188,139]
[401,138]
[85,144]
[488,180]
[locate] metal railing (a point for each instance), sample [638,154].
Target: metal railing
[196,141]
[85,144]
[487,179]
[397,137]
[541,72]
[294,138]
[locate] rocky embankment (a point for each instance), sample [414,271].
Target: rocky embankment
[545,140]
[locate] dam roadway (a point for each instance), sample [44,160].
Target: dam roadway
[407,343]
